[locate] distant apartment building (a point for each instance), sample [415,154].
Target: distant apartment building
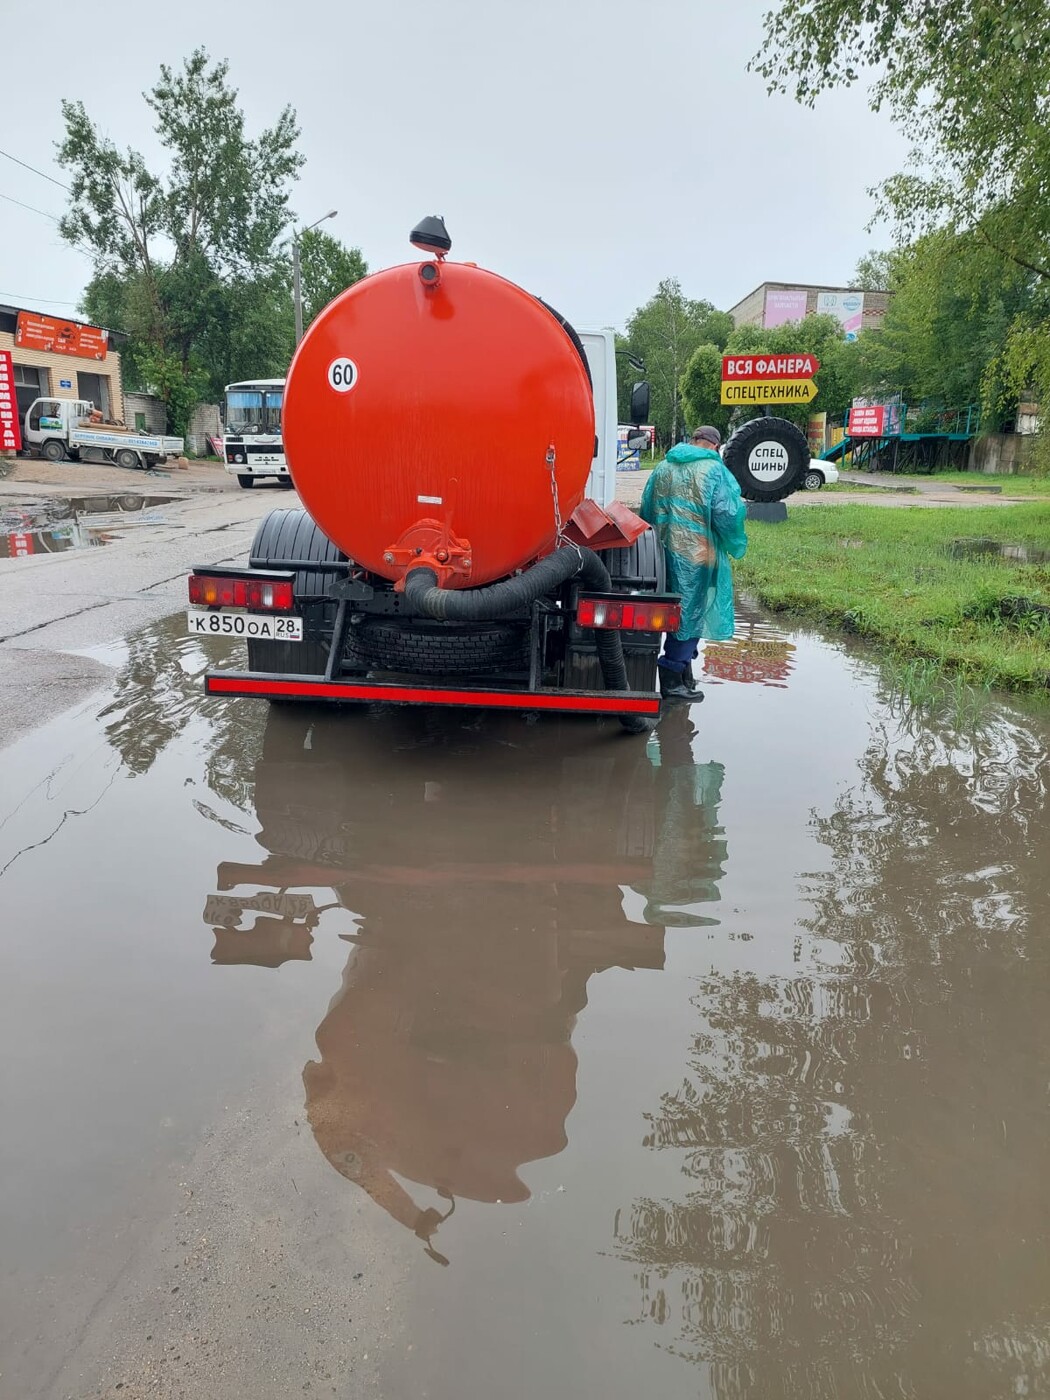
[774,303]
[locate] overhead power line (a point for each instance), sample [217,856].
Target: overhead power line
[52,218]
[26,166]
[32,209]
[51,301]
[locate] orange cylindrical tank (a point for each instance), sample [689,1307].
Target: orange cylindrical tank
[412,401]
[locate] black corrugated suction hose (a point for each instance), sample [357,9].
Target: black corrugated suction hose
[499,599]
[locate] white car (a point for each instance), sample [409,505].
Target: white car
[820,473]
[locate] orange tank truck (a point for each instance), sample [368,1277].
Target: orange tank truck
[453,443]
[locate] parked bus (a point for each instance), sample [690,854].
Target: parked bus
[252,444]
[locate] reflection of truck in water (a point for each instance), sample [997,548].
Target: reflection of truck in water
[60,428]
[444,428]
[446,1059]
[252,445]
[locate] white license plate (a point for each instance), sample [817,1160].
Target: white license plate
[226,911]
[218,622]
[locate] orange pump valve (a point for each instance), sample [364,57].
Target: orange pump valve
[428,544]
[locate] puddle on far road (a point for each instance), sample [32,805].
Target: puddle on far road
[78,522]
[710,1065]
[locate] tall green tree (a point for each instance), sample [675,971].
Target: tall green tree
[955,300]
[327,268]
[176,249]
[875,270]
[701,390]
[968,81]
[664,333]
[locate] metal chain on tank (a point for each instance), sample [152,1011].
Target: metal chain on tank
[559,528]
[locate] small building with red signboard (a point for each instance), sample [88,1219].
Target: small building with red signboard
[59,357]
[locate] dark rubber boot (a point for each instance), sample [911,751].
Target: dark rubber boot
[672,685]
[689,680]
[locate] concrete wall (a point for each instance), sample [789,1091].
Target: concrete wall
[1001,453]
[151,407]
[750,311]
[62,367]
[205,419]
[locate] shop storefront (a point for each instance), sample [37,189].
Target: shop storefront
[59,358]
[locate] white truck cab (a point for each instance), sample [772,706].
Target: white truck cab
[61,428]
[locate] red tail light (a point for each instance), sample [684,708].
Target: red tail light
[630,614]
[261,595]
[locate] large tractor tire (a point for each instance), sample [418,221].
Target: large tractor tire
[769,458]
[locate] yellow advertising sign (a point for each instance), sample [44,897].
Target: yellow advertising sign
[760,391]
[816,432]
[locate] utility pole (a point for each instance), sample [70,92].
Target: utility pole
[297,291]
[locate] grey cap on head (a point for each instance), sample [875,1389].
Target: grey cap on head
[705,433]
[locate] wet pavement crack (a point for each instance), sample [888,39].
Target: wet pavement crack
[70,812]
[65,617]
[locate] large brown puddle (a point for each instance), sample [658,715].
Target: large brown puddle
[714,1065]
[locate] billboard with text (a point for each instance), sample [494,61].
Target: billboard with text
[846,307]
[783,306]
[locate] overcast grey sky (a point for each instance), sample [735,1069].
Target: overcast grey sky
[584,148]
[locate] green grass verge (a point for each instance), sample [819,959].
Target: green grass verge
[888,575]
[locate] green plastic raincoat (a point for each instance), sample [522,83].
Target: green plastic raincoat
[693,503]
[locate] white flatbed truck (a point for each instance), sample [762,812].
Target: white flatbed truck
[59,428]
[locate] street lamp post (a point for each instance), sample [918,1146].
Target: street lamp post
[297,292]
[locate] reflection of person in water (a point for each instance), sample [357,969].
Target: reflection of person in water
[690,850]
[446,1058]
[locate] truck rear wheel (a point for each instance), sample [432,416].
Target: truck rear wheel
[127,459]
[53,450]
[286,538]
[289,537]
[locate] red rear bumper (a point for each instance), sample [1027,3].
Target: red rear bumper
[363,692]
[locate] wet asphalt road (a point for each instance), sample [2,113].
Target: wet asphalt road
[446,1055]
[66,596]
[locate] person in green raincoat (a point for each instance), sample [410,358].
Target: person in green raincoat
[694,504]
